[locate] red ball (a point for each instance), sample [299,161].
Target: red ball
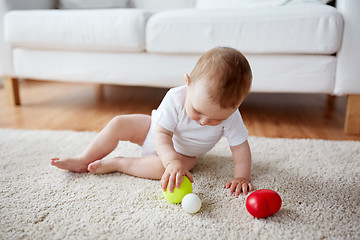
[263,203]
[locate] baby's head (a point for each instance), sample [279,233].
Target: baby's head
[227,75]
[221,79]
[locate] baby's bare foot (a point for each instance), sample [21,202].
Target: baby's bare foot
[104,166]
[72,164]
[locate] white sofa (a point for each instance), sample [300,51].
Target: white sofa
[292,46]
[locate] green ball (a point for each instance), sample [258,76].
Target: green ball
[177,195]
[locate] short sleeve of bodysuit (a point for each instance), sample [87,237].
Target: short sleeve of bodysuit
[168,110]
[235,130]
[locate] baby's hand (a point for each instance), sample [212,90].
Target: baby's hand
[239,185]
[174,175]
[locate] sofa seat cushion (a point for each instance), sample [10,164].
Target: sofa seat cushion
[98,30]
[299,29]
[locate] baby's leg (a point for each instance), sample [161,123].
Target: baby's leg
[133,128]
[149,167]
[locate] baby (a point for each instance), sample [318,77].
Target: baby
[190,120]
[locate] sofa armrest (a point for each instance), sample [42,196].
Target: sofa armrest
[348,57]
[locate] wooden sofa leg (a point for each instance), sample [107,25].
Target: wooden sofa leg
[11,86]
[352,118]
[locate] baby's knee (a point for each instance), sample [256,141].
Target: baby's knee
[193,163]
[190,162]
[117,122]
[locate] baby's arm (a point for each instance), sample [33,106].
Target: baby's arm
[242,170]
[175,170]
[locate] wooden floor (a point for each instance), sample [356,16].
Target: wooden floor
[53,105]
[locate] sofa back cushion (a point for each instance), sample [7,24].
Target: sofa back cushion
[113,30]
[90,4]
[150,5]
[292,29]
[161,5]
[252,3]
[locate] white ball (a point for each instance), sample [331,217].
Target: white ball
[191,203]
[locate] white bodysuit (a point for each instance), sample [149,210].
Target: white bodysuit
[190,138]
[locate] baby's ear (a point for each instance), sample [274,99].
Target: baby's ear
[187,79]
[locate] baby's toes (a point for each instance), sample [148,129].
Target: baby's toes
[54,160]
[58,163]
[94,166]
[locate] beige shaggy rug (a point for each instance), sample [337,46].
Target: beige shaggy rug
[317,180]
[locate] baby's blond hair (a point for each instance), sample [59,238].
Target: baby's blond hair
[228,75]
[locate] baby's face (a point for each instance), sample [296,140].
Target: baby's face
[200,108]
